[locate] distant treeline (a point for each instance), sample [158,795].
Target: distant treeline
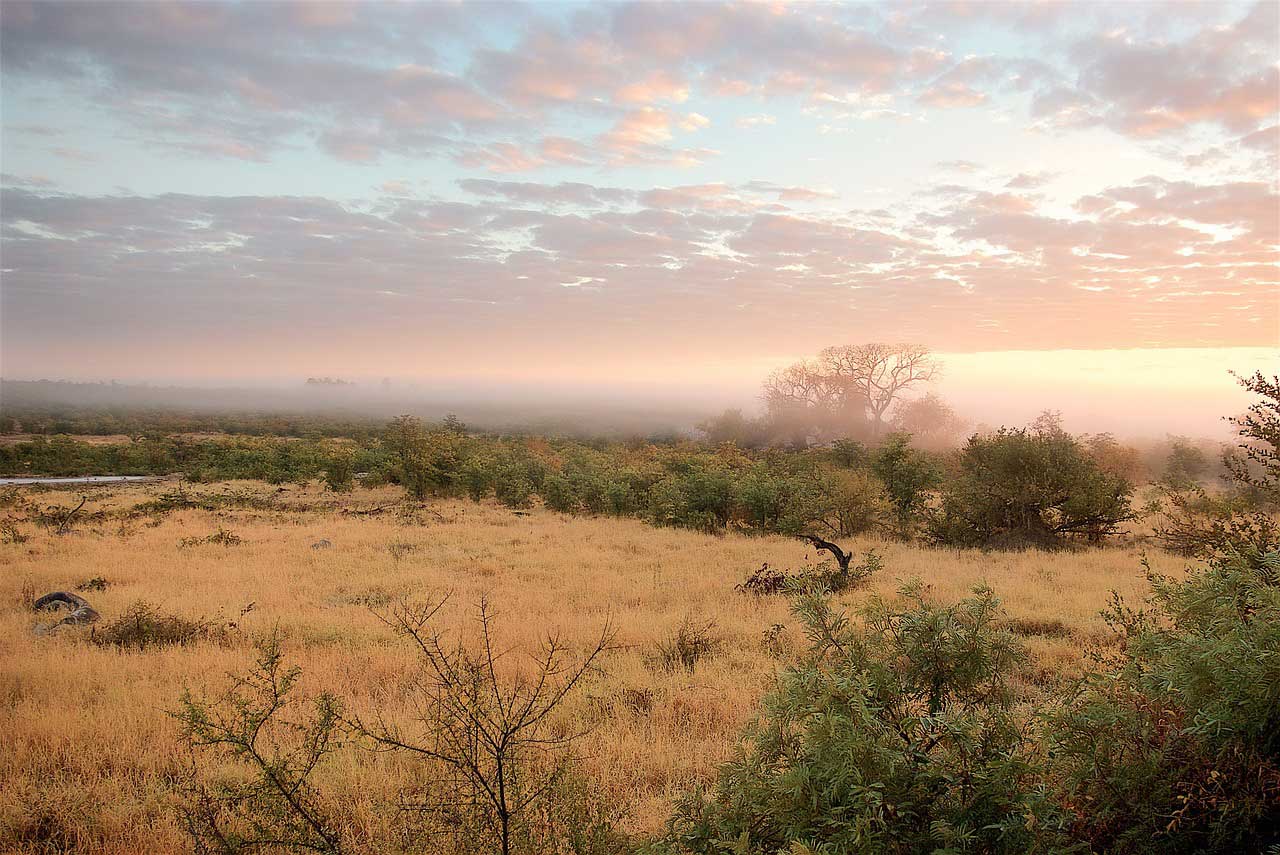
[319,409]
[1033,486]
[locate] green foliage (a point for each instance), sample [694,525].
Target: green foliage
[846,502]
[221,537]
[1196,523]
[427,461]
[340,470]
[907,476]
[271,804]
[1243,517]
[1018,488]
[1258,464]
[895,735]
[559,495]
[1186,466]
[1174,745]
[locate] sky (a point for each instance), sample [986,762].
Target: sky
[635,193]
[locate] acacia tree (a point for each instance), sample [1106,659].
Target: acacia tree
[848,388]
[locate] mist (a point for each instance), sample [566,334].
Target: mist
[1138,393]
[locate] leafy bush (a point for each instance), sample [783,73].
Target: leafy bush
[897,736]
[1174,745]
[514,490]
[1192,522]
[849,502]
[559,495]
[1018,488]
[907,476]
[339,472]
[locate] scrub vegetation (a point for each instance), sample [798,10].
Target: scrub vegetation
[441,640]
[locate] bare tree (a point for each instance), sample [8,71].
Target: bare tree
[492,734]
[847,384]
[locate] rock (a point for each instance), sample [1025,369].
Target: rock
[81,612]
[322,544]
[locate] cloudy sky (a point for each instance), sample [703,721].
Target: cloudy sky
[260,190]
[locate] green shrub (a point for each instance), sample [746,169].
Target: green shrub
[897,736]
[339,471]
[846,502]
[1018,489]
[514,490]
[558,494]
[908,476]
[1174,744]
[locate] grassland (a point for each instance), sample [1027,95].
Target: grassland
[89,754]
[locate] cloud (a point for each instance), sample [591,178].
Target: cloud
[252,81]
[26,180]
[755,121]
[1153,260]
[1147,86]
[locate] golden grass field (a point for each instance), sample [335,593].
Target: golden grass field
[87,752]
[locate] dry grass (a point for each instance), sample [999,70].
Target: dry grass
[88,750]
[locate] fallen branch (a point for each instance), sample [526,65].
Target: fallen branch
[62,526]
[842,558]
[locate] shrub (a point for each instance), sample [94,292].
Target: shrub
[1174,745]
[898,736]
[221,537]
[691,643]
[427,463]
[619,498]
[558,494]
[1192,522]
[506,771]
[764,582]
[339,472]
[1196,523]
[142,625]
[272,805]
[853,502]
[907,476]
[513,490]
[1017,488]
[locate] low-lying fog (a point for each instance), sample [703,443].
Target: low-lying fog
[1132,393]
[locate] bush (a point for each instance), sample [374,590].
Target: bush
[504,765]
[221,537]
[272,805]
[849,502]
[513,490]
[691,643]
[907,476]
[339,472]
[896,737]
[142,625]
[1195,523]
[1018,489]
[558,494]
[1174,746]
